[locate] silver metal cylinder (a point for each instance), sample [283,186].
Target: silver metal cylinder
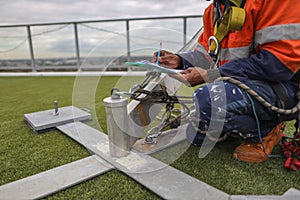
[117,126]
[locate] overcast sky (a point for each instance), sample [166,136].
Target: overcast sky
[40,11]
[14,43]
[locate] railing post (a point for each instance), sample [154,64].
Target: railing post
[184,30]
[31,49]
[77,46]
[128,42]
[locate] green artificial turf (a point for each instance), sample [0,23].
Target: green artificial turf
[24,153]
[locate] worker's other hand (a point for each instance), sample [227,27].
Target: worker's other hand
[192,76]
[167,59]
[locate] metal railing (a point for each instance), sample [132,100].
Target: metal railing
[75,24]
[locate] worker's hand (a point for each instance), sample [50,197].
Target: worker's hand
[167,59]
[192,76]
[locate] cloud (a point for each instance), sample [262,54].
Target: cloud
[37,11]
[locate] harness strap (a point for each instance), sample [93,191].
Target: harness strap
[282,95]
[237,3]
[233,19]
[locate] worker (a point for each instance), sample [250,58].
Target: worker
[260,47]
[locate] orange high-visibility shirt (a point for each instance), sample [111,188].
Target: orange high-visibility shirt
[272,25]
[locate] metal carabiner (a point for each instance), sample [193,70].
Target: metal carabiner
[215,52]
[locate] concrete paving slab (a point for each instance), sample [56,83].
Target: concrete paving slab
[45,120]
[165,181]
[292,193]
[54,180]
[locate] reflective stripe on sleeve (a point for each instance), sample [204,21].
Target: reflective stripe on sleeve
[276,33]
[236,53]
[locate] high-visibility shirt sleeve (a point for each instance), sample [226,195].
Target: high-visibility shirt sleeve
[277,30]
[276,41]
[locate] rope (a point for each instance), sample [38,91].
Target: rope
[266,104]
[50,30]
[161,96]
[262,100]
[258,125]
[15,47]
[124,34]
[33,35]
[156,131]
[196,120]
[158,96]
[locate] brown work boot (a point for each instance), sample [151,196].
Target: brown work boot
[253,152]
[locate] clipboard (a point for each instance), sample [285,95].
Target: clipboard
[153,67]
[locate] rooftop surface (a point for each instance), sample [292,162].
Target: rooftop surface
[24,153]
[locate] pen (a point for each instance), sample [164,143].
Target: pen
[158,53]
